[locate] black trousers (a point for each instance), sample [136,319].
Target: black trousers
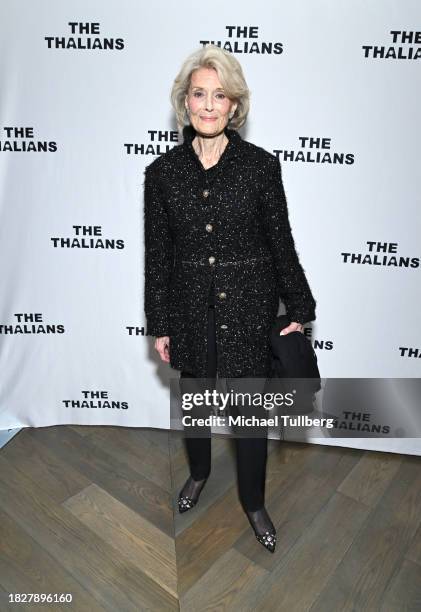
[251,452]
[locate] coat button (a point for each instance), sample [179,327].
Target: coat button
[211,259]
[224,326]
[222,295]
[205,193]
[209,227]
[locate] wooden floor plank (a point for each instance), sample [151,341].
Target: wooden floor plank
[225,586]
[370,477]
[115,582]
[26,567]
[123,483]
[140,455]
[82,430]
[414,550]
[129,533]
[45,468]
[334,463]
[378,550]
[404,591]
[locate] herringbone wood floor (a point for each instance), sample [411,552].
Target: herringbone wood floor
[90,511]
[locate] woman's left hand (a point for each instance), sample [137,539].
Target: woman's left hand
[291,328]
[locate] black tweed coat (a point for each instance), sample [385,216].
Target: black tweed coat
[229,232]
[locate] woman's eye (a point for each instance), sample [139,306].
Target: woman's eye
[219,96]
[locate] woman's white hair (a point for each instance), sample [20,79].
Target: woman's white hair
[230,75]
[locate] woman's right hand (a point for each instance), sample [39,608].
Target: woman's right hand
[162,345]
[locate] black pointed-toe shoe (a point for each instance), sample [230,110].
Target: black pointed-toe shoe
[193,488]
[263,528]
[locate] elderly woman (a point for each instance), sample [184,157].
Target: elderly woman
[219,254]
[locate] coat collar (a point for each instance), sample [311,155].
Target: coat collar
[234,147]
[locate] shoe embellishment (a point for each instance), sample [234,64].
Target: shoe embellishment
[268,540]
[185,503]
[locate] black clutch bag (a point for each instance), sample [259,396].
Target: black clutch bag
[293,357]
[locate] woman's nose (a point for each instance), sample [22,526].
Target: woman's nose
[209,102]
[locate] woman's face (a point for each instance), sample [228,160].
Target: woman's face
[209,106]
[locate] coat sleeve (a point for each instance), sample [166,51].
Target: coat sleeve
[293,287]
[158,257]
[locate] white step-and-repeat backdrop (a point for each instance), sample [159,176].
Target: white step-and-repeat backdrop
[84,107]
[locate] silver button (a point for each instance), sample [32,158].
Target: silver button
[205,193]
[224,326]
[222,295]
[209,227]
[211,259]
